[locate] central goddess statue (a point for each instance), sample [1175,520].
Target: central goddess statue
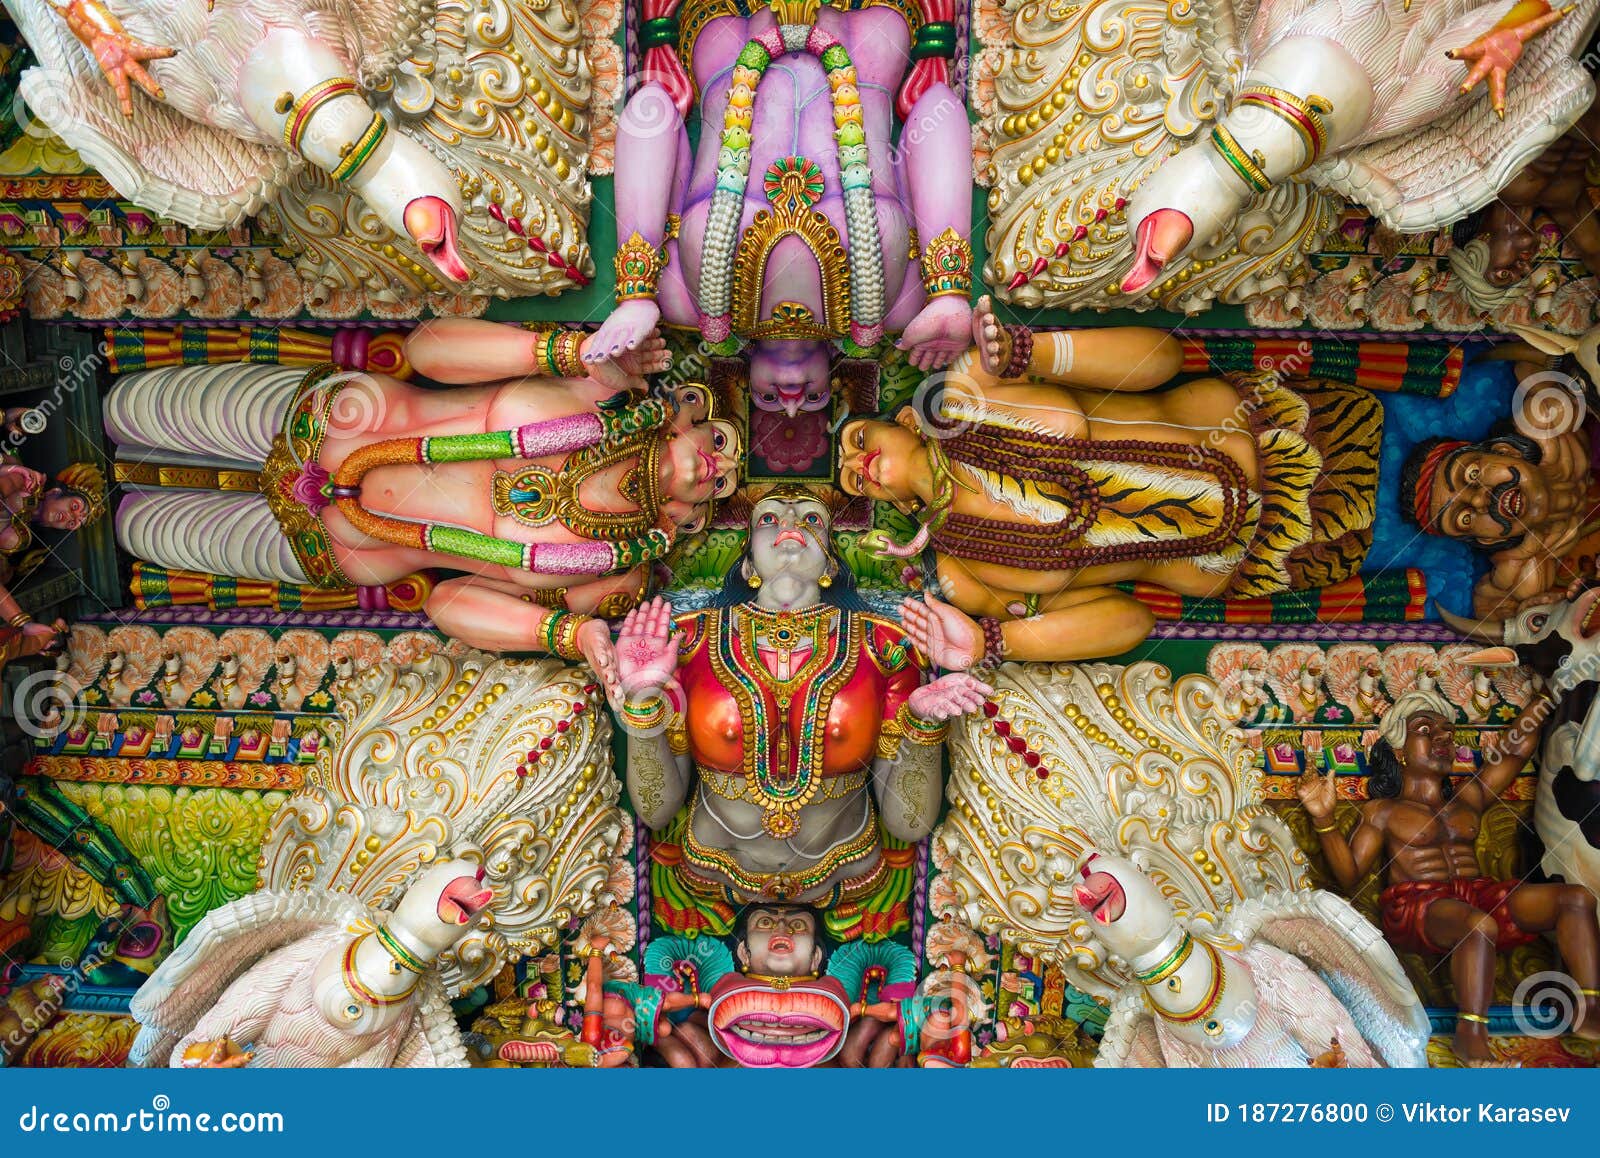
[771,714]
[796,222]
[553,492]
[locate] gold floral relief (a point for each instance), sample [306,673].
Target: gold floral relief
[82,1041]
[507,760]
[1089,757]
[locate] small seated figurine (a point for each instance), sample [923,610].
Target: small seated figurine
[787,718]
[779,1008]
[30,501]
[1053,468]
[1436,900]
[552,491]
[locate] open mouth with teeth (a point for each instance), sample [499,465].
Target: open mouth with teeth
[767,1028]
[1590,623]
[1101,896]
[463,899]
[1511,503]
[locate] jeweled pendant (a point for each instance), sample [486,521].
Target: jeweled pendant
[780,825]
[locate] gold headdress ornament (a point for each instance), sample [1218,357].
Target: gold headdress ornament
[89,483]
[744,502]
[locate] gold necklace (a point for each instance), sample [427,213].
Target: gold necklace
[535,496]
[780,982]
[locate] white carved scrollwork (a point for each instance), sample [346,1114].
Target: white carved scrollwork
[1120,759]
[506,760]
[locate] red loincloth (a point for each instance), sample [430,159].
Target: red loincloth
[1404,908]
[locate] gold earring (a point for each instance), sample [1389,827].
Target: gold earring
[753,580]
[826,581]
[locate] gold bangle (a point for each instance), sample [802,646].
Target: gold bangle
[638,266]
[567,354]
[1248,167]
[303,107]
[1171,965]
[359,989]
[1476,1018]
[1304,115]
[1208,1003]
[566,635]
[354,157]
[403,957]
[21,619]
[947,266]
[646,714]
[1334,827]
[1589,992]
[544,363]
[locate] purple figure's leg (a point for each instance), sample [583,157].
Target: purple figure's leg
[651,178]
[935,143]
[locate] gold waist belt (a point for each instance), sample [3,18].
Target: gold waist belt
[741,885]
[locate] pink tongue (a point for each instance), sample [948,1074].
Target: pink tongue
[1144,271]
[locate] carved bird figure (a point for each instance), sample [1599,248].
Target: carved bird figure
[240,96]
[1280,978]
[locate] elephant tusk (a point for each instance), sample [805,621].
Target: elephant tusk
[1501,656]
